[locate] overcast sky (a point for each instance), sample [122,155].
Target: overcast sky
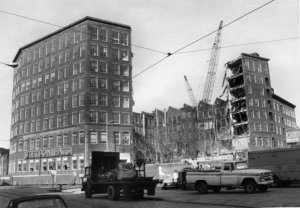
[165,25]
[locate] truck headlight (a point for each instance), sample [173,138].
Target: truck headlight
[84,179]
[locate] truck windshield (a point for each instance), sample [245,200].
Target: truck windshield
[241,166]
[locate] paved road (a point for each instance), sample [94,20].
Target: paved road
[281,197]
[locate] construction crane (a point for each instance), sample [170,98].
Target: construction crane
[213,65]
[190,91]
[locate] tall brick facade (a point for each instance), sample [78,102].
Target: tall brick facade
[72,92]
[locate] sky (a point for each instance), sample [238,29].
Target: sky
[166,26]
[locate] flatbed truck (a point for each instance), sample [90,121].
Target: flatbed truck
[105,176]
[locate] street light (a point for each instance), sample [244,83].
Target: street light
[11,64]
[107,134]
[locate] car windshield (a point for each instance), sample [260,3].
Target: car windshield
[42,203]
[241,166]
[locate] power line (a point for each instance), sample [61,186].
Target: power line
[36,20]
[169,54]
[231,46]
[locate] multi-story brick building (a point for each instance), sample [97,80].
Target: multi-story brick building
[72,94]
[259,117]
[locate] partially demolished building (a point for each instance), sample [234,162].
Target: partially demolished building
[259,118]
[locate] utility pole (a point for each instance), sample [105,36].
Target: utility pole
[86,146]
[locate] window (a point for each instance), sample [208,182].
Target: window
[94,50]
[94,33]
[51,142]
[24,165]
[103,52]
[126,118]
[93,137]
[81,162]
[103,137]
[125,86]
[249,89]
[45,142]
[65,164]
[256,102]
[59,121]
[94,82]
[259,67]
[58,163]
[74,118]
[103,34]
[125,55]
[20,145]
[103,83]
[45,124]
[83,33]
[116,101]
[103,67]
[115,54]
[76,36]
[252,65]
[38,125]
[116,85]
[66,87]
[51,123]
[65,120]
[67,56]
[124,39]
[52,61]
[126,138]
[82,51]
[258,127]
[265,127]
[93,116]
[115,37]
[81,137]
[76,68]
[252,127]
[94,99]
[126,102]
[65,140]
[103,100]
[81,83]
[74,163]
[74,101]
[116,117]
[117,138]
[94,66]
[116,69]
[81,100]
[103,117]
[257,114]
[81,117]
[75,53]
[74,138]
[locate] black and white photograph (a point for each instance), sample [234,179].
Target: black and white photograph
[149,103]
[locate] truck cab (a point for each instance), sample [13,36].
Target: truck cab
[231,175]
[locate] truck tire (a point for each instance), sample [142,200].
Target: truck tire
[250,187]
[88,192]
[276,182]
[113,193]
[262,188]
[216,189]
[202,188]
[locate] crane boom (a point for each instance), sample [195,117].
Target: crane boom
[190,91]
[213,65]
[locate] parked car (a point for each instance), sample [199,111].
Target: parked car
[38,201]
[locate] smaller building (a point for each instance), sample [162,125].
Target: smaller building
[293,137]
[4,157]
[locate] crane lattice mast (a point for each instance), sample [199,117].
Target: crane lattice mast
[213,65]
[190,91]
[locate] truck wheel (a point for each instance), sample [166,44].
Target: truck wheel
[250,187]
[276,182]
[113,193]
[202,188]
[88,192]
[216,189]
[183,187]
[263,188]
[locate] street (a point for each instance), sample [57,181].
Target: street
[278,197]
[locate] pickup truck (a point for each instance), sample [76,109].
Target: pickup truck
[232,175]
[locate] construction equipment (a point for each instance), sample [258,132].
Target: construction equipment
[190,91]
[213,65]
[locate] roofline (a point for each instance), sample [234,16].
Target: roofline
[283,100]
[68,27]
[257,57]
